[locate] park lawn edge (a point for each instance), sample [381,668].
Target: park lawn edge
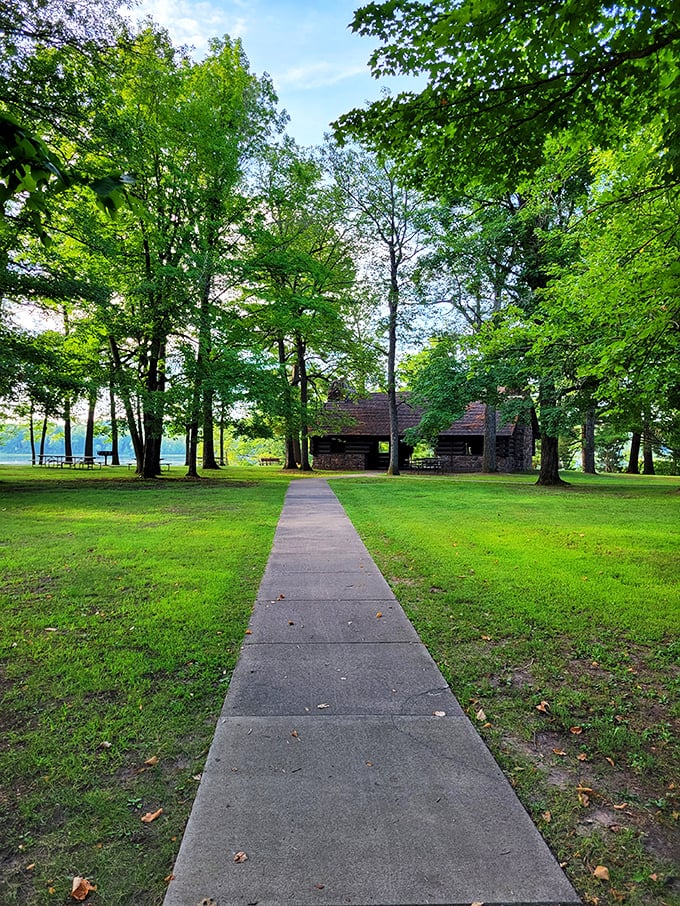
[582,719]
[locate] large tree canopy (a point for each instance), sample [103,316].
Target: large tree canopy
[48,48]
[501,75]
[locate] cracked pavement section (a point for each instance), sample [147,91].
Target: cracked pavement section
[342,765]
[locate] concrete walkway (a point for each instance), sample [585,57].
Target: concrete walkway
[342,765]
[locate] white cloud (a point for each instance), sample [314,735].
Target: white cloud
[317,75]
[190,23]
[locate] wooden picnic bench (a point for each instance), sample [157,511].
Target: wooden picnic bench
[427,464]
[269,460]
[165,464]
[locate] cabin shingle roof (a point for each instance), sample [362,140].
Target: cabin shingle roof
[369,417]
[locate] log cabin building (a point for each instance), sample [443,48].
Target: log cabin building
[354,435]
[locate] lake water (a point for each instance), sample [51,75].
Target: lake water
[15,459]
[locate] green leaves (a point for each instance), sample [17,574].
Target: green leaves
[501,77]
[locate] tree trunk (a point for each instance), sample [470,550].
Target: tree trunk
[209,461]
[204,378]
[290,461]
[132,423]
[549,473]
[297,450]
[489,459]
[192,451]
[88,452]
[192,427]
[647,453]
[634,457]
[115,458]
[588,443]
[223,459]
[43,438]
[393,300]
[68,440]
[304,392]
[31,433]
[152,415]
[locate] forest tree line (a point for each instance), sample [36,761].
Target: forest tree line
[174,261]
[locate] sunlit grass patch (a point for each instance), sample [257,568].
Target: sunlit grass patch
[123,606]
[556,615]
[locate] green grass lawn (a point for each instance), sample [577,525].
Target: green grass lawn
[122,608]
[555,616]
[123,604]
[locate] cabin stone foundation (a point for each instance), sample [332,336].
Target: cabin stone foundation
[340,462]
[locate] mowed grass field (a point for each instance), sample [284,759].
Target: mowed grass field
[122,608]
[554,614]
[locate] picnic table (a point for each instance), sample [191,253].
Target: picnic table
[269,460]
[427,464]
[57,461]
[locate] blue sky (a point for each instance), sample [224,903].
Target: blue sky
[318,65]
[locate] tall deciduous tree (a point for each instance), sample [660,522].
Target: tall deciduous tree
[389,217]
[506,87]
[184,128]
[301,273]
[471,269]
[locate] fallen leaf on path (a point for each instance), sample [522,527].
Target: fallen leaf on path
[379,614]
[602,872]
[559,752]
[544,707]
[486,638]
[480,715]
[610,760]
[295,734]
[281,598]
[169,878]
[30,867]
[582,757]
[249,631]
[576,730]
[81,887]
[152,761]
[151,816]
[547,816]
[621,806]
[240,856]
